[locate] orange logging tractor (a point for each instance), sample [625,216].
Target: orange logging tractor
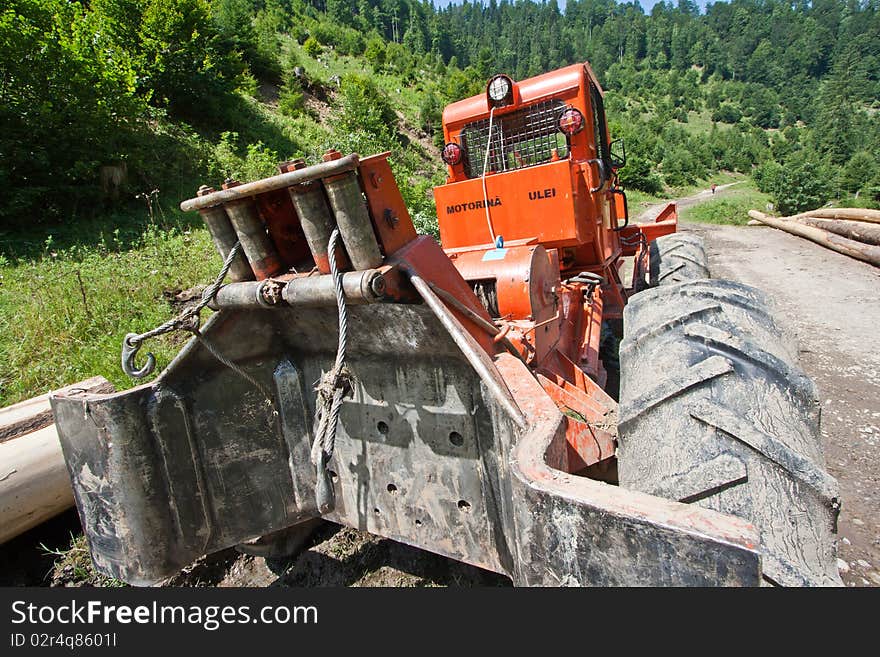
[557,393]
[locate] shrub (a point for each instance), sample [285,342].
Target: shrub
[312,47]
[639,174]
[858,172]
[327,34]
[431,113]
[375,53]
[767,175]
[351,42]
[300,33]
[680,167]
[254,163]
[726,113]
[365,108]
[248,85]
[290,99]
[799,186]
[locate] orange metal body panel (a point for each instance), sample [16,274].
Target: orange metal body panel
[548,202]
[391,219]
[277,212]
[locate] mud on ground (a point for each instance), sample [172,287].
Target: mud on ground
[55,554]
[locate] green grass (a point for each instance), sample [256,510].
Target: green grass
[74,567]
[731,207]
[701,122]
[636,197]
[64,313]
[638,200]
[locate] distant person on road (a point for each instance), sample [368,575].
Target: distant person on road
[713,187]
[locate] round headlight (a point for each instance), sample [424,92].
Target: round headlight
[571,122]
[451,154]
[499,88]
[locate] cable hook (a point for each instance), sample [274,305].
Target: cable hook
[130,350]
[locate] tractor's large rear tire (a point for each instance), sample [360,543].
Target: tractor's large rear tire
[714,411]
[677,258]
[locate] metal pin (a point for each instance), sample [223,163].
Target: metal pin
[255,242]
[224,237]
[352,217]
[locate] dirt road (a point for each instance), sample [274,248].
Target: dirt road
[650,212]
[832,304]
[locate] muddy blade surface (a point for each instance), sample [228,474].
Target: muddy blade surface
[200,460]
[715,412]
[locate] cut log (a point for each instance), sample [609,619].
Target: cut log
[34,484]
[35,413]
[854,230]
[858,250]
[852,214]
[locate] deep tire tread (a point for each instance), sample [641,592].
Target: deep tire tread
[677,258]
[687,439]
[748,350]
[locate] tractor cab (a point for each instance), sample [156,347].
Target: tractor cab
[529,163]
[541,146]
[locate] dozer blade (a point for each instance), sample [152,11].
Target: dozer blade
[434,450]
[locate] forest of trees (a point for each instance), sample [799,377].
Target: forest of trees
[785,91]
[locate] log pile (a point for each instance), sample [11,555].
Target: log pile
[854,232]
[34,484]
